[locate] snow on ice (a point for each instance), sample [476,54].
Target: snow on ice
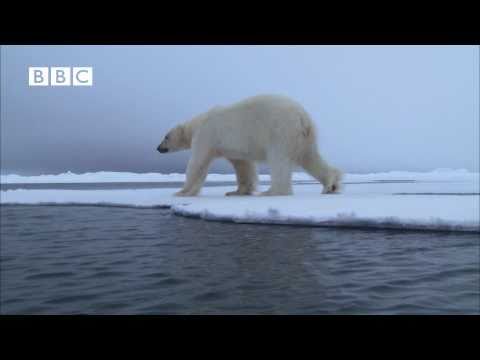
[438,200]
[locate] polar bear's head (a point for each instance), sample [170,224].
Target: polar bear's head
[175,140]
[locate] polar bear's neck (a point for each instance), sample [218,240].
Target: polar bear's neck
[192,126]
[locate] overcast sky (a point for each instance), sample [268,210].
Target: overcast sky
[377,108]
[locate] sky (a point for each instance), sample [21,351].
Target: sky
[376,108]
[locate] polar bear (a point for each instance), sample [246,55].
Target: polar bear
[264,128]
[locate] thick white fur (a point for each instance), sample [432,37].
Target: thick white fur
[263,128]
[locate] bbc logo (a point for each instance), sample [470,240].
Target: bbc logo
[60,76]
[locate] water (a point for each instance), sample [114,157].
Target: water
[121,260]
[107,185]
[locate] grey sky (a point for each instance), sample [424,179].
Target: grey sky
[377,108]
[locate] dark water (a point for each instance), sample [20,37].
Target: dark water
[111,260]
[105,185]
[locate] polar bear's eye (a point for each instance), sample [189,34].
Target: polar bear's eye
[166,137]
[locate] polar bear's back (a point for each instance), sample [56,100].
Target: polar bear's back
[250,127]
[266,108]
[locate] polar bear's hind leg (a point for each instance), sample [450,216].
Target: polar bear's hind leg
[317,167]
[281,174]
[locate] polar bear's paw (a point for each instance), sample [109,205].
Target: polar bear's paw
[332,189]
[333,184]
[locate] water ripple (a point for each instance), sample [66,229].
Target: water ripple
[94,260]
[49,275]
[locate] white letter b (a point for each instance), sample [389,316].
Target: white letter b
[60,76]
[37,76]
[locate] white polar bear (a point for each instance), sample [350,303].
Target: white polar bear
[263,128]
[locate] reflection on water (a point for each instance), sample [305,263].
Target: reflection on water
[113,260]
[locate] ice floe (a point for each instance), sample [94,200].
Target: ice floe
[432,202]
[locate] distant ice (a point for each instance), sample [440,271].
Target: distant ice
[107,176]
[450,204]
[92,177]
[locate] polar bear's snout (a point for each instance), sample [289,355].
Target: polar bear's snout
[162,149]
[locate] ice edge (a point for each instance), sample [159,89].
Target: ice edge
[275,218]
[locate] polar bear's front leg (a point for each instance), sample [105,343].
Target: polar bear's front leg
[197,170]
[246,177]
